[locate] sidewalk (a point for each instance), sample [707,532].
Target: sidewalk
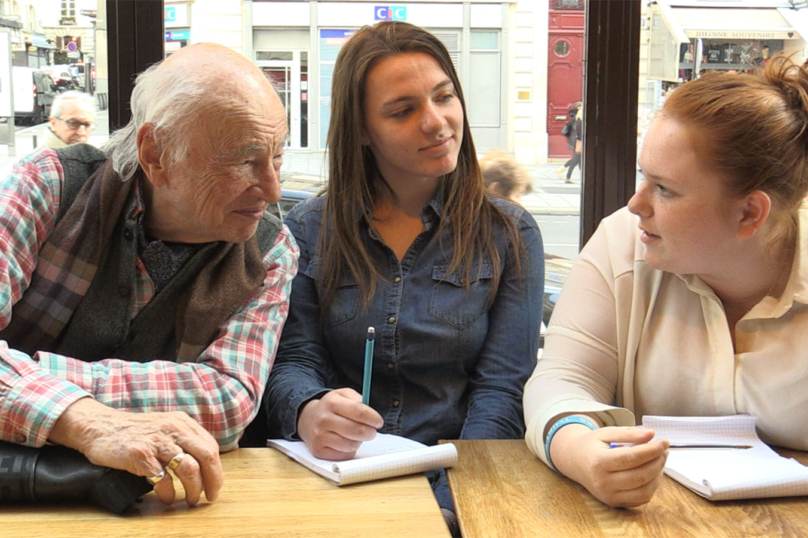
[307,169]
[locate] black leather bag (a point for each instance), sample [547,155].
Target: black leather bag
[56,473]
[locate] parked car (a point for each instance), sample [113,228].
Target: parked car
[556,268]
[34,92]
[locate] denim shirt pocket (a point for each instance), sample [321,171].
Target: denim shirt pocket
[346,297]
[451,303]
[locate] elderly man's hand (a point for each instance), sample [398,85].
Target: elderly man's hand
[143,444]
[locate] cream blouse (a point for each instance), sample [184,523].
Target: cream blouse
[626,340]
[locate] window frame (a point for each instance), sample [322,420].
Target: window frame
[135,36]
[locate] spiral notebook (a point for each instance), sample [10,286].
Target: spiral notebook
[384,457]
[721,474]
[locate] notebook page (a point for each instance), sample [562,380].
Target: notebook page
[733,429]
[725,473]
[396,464]
[369,459]
[298,451]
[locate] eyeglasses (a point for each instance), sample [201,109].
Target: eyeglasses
[74,125]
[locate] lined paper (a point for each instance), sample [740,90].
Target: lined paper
[384,457]
[727,473]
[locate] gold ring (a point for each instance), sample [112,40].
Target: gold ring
[175,461]
[153,480]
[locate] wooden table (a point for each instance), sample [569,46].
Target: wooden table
[501,490]
[265,494]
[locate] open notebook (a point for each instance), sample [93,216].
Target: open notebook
[383,457]
[727,473]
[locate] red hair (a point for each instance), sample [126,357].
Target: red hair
[752,129]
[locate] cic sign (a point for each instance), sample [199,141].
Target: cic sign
[390,13]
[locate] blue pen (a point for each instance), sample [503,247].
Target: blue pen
[369,344]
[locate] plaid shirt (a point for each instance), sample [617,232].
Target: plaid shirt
[221,390]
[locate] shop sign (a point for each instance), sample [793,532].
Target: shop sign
[390,13]
[39,40]
[336,38]
[183,35]
[741,34]
[176,15]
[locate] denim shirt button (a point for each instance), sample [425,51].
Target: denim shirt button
[397,279]
[391,319]
[395,403]
[390,365]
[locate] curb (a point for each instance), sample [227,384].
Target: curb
[554,211]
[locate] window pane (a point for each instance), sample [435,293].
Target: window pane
[273,55]
[53,57]
[557,202]
[520,63]
[484,40]
[482,94]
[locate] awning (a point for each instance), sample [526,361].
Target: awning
[9,23]
[672,25]
[729,23]
[39,40]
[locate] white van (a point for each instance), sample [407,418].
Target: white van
[34,92]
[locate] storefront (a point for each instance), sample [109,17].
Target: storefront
[38,50]
[689,38]
[296,44]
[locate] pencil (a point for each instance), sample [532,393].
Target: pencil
[369,344]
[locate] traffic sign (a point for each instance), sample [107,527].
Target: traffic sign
[71,46]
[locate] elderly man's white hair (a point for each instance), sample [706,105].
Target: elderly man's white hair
[168,96]
[84,100]
[168,99]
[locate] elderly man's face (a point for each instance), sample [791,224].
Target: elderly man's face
[73,115]
[222,187]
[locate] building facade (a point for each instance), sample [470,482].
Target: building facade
[684,39]
[501,62]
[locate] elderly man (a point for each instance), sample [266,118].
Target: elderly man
[71,121]
[143,291]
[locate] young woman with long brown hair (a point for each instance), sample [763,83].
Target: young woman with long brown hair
[404,239]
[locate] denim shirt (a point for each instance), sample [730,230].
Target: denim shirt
[448,363]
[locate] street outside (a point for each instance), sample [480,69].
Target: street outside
[554,204]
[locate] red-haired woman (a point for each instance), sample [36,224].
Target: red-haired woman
[693,300]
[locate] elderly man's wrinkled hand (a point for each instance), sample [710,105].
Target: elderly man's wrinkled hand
[144,444]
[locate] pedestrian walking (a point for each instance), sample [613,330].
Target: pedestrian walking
[574,132]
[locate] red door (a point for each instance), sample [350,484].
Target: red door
[565,74]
